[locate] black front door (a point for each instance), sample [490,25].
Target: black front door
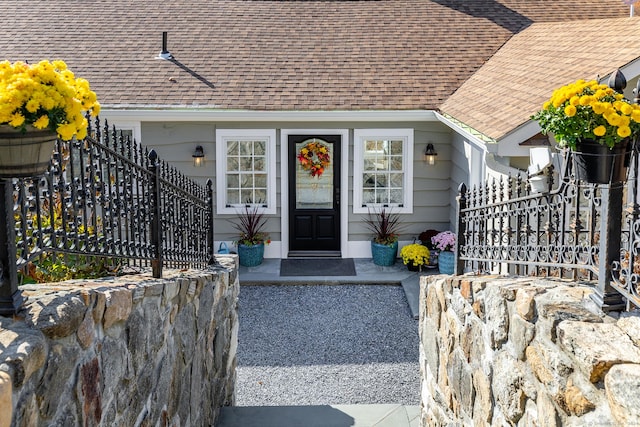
[314,195]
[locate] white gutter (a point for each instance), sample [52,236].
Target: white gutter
[164,114]
[471,138]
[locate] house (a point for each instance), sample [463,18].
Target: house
[374,82]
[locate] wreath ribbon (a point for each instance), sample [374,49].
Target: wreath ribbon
[314,157]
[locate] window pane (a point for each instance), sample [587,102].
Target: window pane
[246,163]
[233,180]
[368,180]
[233,197]
[396,163]
[396,179]
[260,148]
[232,164]
[246,148]
[396,147]
[261,196]
[396,196]
[368,196]
[247,181]
[232,147]
[246,196]
[259,164]
[260,180]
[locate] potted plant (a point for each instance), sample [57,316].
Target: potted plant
[425,238]
[385,226]
[252,239]
[39,103]
[414,256]
[445,242]
[596,123]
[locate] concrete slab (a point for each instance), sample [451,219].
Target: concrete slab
[389,415]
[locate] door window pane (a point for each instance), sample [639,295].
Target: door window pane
[314,174]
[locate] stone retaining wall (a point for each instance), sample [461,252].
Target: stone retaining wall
[128,351]
[499,351]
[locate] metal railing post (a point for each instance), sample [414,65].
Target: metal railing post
[609,247]
[154,206]
[460,228]
[211,250]
[10,296]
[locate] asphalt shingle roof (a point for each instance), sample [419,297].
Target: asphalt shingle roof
[276,55]
[516,81]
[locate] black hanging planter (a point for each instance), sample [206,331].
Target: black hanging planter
[597,164]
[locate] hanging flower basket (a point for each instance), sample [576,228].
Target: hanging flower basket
[597,164]
[25,154]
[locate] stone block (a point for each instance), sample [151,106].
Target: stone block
[117,306]
[6,400]
[483,405]
[521,333]
[547,413]
[622,387]
[461,378]
[508,386]
[57,315]
[596,347]
[433,307]
[630,324]
[574,401]
[497,315]
[429,343]
[555,312]
[24,351]
[525,303]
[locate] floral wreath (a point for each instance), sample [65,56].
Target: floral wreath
[314,157]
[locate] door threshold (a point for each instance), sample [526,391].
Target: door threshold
[314,254]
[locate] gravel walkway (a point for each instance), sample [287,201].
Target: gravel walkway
[322,345]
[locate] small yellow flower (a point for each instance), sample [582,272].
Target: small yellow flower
[42,122]
[624,131]
[570,110]
[600,130]
[17,119]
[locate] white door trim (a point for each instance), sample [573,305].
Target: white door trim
[284,185]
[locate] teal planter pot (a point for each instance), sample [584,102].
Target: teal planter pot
[446,262]
[384,255]
[250,256]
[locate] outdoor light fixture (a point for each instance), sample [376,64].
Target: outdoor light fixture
[198,156]
[430,154]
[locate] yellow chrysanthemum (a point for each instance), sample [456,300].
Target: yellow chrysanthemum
[613,119]
[575,100]
[42,122]
[17,119]
[600,130]
[623,131]
[570,110]
[626,109]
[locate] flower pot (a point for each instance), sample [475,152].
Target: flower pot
[446,262]
[384,255]
[539,183]
[26,154]
[251,255]
[412,267]
[597,164]
[433,259]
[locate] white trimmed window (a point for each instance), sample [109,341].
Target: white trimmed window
[245,169]
[383,169]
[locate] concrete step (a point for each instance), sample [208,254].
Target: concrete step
[389,415]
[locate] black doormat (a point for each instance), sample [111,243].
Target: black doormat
[317,267]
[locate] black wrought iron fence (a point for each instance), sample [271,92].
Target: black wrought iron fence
[107,197]
[573,230]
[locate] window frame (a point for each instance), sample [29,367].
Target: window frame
[225,135]
[407,137]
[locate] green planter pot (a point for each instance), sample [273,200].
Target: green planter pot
[446,262]
[384,255]
[250,256]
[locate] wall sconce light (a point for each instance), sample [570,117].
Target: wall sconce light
[198,156]
[430,154]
